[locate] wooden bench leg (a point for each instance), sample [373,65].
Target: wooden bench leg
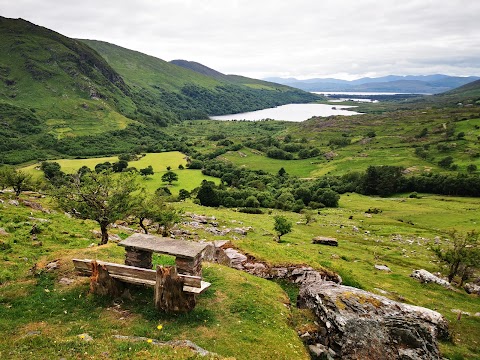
[102,283]
[169,295]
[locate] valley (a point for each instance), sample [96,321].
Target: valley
[397,186]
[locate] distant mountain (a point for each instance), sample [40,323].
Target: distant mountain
[429,84]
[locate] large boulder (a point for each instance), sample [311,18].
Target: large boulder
[356,324]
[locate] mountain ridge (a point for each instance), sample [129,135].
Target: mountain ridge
[430,84]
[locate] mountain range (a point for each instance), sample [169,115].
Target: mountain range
[418,84]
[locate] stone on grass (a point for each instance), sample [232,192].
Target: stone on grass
[3,232]
[357,324]
[426,277]
[383,268]
[472,288]
[322,240]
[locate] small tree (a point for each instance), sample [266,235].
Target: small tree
[183,194]
[169,177]
[102,197]
[282,226]
[471,168]
[18,180]
[147,171]
[461,256]
[157,210]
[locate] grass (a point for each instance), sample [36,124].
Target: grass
[41,318]
[227,319]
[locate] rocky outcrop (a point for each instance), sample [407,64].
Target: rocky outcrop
[356,324]
[426,277]
[472,288]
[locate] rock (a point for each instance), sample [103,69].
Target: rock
[257,269]
[243,230]
[13,202]
[425,277]
[3,232]
[53,265]
[361,325]
[232,258]
[319,351]
[114,238]
[66,281]
[457,311]
[472,288]
[325,241]
[33,205]
[383,268]
[477,314]
[355,229]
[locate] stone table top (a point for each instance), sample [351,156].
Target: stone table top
[163,245]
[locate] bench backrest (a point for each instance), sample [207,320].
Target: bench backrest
[126,271]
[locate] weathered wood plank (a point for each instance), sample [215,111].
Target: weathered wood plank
[197,290]
[132,274]
[163,245]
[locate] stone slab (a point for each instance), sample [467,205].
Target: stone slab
[164,245]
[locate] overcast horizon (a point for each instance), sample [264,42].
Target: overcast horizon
[344,39]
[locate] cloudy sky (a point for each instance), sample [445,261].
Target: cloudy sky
[262,38]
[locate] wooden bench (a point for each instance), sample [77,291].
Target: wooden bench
[140,276]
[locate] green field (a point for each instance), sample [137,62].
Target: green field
[187,179]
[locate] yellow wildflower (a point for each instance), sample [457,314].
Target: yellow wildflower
[160,327]
[149,340]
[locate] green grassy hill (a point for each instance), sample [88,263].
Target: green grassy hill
[58,96]
[192,90]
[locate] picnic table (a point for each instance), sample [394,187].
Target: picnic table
[175,287]
[140,247]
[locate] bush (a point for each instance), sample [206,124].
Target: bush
[250,210]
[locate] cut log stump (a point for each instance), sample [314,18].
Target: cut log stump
[102,283]
[169,295]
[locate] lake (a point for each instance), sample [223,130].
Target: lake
[290,112]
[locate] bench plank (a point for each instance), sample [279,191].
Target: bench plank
[134,275]
[195,290]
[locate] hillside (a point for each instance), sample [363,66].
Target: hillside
[53,87]
[192,91]
[59,97]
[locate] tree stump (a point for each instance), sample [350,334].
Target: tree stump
[102,283]
[169,295]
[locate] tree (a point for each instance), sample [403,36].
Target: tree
[462,256]
[155,209]
[183,194]
[147,171]
[471,168]
[18,180]
[282,226]
[446,162]
[207,195]
[169,177]
[103,197]
[281,172]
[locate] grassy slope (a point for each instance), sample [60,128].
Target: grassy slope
[145,71]
[240,316]
[57,76]
[237,303]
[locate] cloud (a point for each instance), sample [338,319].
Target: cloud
[270,38]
